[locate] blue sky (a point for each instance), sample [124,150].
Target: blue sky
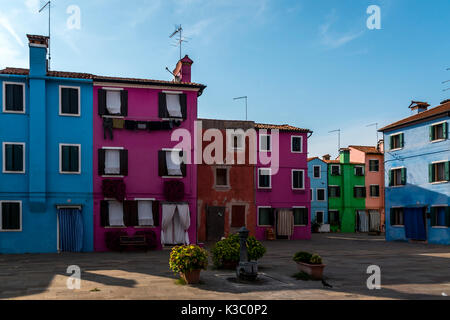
[309,63]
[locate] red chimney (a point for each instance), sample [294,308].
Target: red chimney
[182,71]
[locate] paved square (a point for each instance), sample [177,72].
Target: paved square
[408,271]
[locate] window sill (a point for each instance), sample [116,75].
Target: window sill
[14,112]
[145,227]
[222,188]
[438,140]
[396,149]
[116,227]
[112,117]
[440,227]
[265,188]
[300,225]
[298,152]
[399,186]
[10,231]
[172,177]
[112,176]
[438,182]
[264,226]
[14,172]
[398,226]
[70,173]
[70,115]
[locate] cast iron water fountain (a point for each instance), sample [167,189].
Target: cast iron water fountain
[246,270]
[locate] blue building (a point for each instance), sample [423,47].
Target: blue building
[318,175]
[417,175]
[46,137]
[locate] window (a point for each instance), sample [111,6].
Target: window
[320,194]
[172,105]
[334,191]
[265,216]
[112,162]
[13,157]
[439,131]
[440,216]
[359,171]
[301,216]
[334,217]
[113,102]
[13,97]
[374,165]
[319,217]
[359,192]
[311,193]
[221,177]
[316,172]
[142,213]
[397,177]
[439,172]
[298,179]
[237,216]
[145,213]
[335,170]
[171,163]
[397,141]
[115,214]
[69,101]
[264,178]
[375,191]
[297,144]
[265,143]
[237,141]
[10,216]
[397,217]
[70,158]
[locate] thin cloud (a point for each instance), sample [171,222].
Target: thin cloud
[335,40]
[5,24]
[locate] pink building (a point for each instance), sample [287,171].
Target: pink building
[283,198]
[143,192]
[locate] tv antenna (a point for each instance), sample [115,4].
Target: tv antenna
[339,138]
[180,39]
[448,69]
[49,15]
[376,128]
[246,103]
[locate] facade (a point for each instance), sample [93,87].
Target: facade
[346,194]
[417,175]
[145,183]
[46,177]
[283,191]
[373,160]
[318,175]
[226,192]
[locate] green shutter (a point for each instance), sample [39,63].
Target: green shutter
[431,133]
[447,171]
[402,140]
[391,142]
[433,219]
[445,130]
[403,176]
[430,173]
[391,178]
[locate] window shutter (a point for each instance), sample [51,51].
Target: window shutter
[305,217]
[430,173]
[74,158]
[445,130]
[403,176]
[447,170]
[162,165]
[402,140]
[433,216]
[391,142]
[354,192]
[431,128]
[18,97]
[124,103]
[101,162]
[104,213]
[73,106]
[10,97]
[123,162]
[272,213]
[338,191]
[66,158]
[364,192]
[130,213]
[9,150]
[18,157]
[183,165]
[391,178]
[392,214]
[155,209]
[162,105]
[183,104]
[102,102]
[447,216]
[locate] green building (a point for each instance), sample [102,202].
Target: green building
[346,193]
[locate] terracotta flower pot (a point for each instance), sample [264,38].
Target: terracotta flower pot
[191,277]
[230,265]
[314,270]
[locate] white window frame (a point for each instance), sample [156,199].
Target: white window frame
[323,216]
[301,144]
[145,199]
[262,207]
[439,206]
[270,179]
[378,165]
[379,190]
[60,158]
[228,177]
[320,172]
[393,135]
[112,175]
[324,195]
[399,225]
[173,150]
[440,181]
[60,101]
[292,179]
[400,185]
[23,144]
[335,165]
[363,170]
[301,207]
[261,135]
[241,137]
[20,215]
[4,98]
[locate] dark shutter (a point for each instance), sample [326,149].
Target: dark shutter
[65,100]
[124,103]
[392,213]
[162,106]
[10,216]
[155,209]
[183,166]
[18,98]
[403,176]
[183,104]
[9,150]
[445,130]
[102,102]
[433,216]
[104,213]
[391,178]
[73,101]
[10,97]
[391,142]
[124,162]
[65,159]
[101,162]
[430,173]
[402,140]
[431,128]
[74,158]
[364,193]
[338,192]
[447,216]
[447,170]
[162,165]
[354,192]
[272,217]
[18,157]
[130,213]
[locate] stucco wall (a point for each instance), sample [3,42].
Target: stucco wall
[319,183]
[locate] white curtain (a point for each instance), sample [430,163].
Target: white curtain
[173,162]
[168,211]
[112,161]
[374,218]
[363,221]
[145,213]
[176,221]
[115,214]
[173,105]
[185,222]
[113,102]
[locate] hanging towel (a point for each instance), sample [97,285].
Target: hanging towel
[141,125]
[285,223]
[107,128]
[118,123]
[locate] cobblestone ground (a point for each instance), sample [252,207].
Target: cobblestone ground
[408,271]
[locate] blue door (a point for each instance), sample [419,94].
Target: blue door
[415,224]
[70,230]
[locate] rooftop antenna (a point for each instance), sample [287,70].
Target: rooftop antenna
[246,104]
[376,128]
[49,15]
[180,39]
[339,138]
[448,69]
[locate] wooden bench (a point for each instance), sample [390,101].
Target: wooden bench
[133,241]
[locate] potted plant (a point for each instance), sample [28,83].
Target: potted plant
[226,252]
[316,227]
[310,264]
[188,261]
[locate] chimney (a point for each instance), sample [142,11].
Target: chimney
[344,155]
[326,157]
[418,106]
[182,71]
[380,146]
[38,54]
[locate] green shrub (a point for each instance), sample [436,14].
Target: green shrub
[188,258]
[307,257]
[228,250]
[315,259]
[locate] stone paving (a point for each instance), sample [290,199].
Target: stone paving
[408,271]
